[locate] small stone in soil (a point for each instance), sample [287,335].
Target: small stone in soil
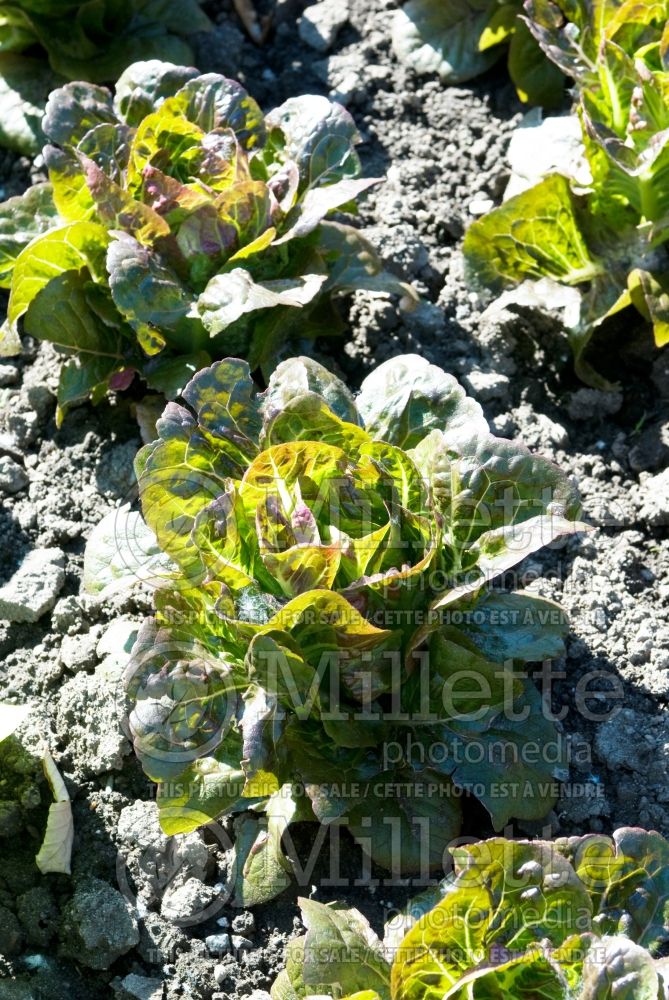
[9,375]
[321,22]
[218,944]
[11,936]
[12,476]
[34,587]
[135,987]
[38,914]
[10,819]
[244,923]
[98,926]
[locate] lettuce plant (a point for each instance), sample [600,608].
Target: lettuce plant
[179,225]
[460,39]
[327,644]
[607,240]
[575,919]
[92,41]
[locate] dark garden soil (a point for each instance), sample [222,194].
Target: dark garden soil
[442,150]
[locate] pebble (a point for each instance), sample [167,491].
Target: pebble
[141,988]
[11,936]
[321,23]
[218,944]
[654,496]
[244,923]
[12,476]
[488,385]
[9,375]
[98,926]
[34,587]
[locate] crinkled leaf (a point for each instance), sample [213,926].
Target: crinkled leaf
[24,87]
[319,136]
[260,870]
[229,296]
[617,967]
[75,247]
[121,552]
[405,398]
[533,234]
[22,219]
[74,109]
[444,38]
[143,85]
[56,850]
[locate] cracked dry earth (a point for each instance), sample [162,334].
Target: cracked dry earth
[141,915]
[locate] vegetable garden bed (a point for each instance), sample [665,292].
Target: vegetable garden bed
[145,916]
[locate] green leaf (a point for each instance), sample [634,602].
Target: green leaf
[22,219]
[319,136]
[143,85]
[405,398]
[73,110]
[260,871]
[444,38]
[532,628]
[534,234]
[78,246]
[214,102]
[616,967]
[121,552]
[229,296]
[24,87]
[151,297]
[341,948]
[627,879]
[537,80]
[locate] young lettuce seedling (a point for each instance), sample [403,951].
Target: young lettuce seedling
[327,644]
[581,918]
[180,224]
[607,240]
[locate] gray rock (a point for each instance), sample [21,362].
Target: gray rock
[11,821]
[651,449]
[9,375]
[593,404]
[34,587]
[617,742]
[97,926]
[114,473]
[87,713]
[68,615]
[12,475]
[38,914]
[240,943]
[185,902]
[138,826]
[23,425]
[218,944]
[135,987]
[78,652]
[654,497]
[11,935]
[488,385]
[244,923]
[321,22]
